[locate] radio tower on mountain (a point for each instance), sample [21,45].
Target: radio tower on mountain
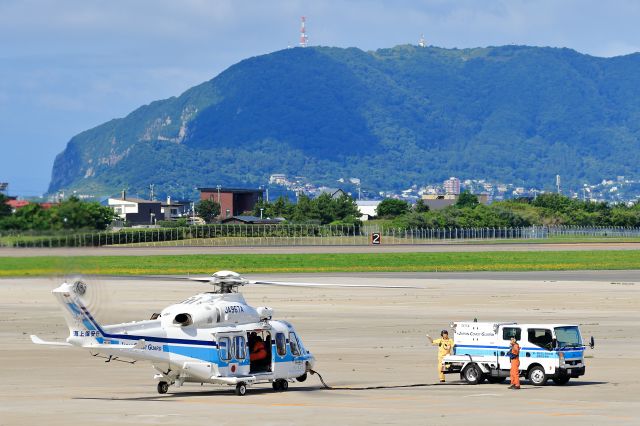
[304,38]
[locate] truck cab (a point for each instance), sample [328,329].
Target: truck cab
[547,351]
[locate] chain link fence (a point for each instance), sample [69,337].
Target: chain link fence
[238,235]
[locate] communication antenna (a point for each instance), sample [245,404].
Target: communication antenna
[422,42]
[151,191]
[304,38]
[558,183]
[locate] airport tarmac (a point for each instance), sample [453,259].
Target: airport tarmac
[361,338]
[398,248]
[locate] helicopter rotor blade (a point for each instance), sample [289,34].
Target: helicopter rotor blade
[291,284]
[200,280]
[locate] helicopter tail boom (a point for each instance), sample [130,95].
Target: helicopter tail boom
[83,328]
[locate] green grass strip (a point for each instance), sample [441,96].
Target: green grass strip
[343,262]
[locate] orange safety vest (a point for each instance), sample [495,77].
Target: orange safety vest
[258,352]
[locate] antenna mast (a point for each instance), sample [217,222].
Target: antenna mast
[304,38]
[422,42]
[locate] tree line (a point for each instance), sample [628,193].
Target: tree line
[322,210]
[547,209]
[71,214]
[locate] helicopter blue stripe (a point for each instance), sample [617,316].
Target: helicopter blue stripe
[204,354]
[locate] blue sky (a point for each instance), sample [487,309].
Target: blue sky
[69,65]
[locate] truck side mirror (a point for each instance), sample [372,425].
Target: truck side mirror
[592,343]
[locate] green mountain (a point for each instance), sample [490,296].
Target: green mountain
[391,117]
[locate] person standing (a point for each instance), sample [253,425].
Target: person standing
[514,355]
[445,347]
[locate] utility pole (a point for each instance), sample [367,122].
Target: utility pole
[218,186]
[558,183]
[151,191]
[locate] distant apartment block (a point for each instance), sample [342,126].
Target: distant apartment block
[278,179]
[452,186]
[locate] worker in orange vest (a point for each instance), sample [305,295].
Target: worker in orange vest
[258,352]
[445,347]
[514,355]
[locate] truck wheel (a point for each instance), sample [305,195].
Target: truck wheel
[537,376]
[472,374]
[302,378]
[561,380]
[241,389]
[496,380]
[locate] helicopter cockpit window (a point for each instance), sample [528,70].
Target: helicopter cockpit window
[281,344]
[223,349]
[293,341]
[239,347]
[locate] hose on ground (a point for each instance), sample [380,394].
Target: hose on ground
[415,385]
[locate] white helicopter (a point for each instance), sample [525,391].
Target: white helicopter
[209,338]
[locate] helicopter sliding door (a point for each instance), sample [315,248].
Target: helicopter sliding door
[233,354]
[260,351]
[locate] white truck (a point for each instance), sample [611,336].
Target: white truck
[547,351]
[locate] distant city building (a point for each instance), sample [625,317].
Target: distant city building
[437,202]
[233,201]
[173,210]
[252,220]
[452,186]
[278,179]
[367,208]
[135,210]
[16,204]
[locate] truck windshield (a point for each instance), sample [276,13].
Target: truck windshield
[568,337]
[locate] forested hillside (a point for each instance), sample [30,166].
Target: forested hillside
[392,117]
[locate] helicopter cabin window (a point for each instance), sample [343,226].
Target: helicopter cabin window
[293,342]
[540,337]
[239,346]
[509,332]
[223,349]
[281,344]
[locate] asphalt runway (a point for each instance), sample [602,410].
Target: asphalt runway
[409,248]
[361,338]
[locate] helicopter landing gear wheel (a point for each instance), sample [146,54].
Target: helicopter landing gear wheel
[241,389]
[163,387]
[280,385]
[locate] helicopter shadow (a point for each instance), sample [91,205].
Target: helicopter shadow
[261,391]
[190,394]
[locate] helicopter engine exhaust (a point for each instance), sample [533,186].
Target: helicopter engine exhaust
[183,319]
